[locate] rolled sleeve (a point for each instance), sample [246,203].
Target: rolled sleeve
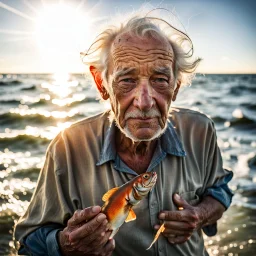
[52,243]
[220,191]
[42,241]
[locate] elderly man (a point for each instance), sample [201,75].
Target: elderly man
[140,70]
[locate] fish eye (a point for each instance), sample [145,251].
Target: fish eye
[146,176]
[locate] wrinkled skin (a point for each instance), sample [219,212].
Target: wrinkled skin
[143,85]
[180,224]
[86,234]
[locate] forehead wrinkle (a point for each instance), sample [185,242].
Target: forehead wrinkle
[123,71]
[138,54]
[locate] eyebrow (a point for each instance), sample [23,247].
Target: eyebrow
[123,72]
[163,70]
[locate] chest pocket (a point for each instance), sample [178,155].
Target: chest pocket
[191,197]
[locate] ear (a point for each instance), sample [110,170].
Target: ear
[176,90]
[98,80]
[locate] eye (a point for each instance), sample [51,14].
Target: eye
[128,80]
[146,176]
[160,80]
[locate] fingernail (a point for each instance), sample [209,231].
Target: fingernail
[103,233]
[96,209]
[162,216]
[177,196]
[156,227]
[101,217]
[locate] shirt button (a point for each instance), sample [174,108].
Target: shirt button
[153,205]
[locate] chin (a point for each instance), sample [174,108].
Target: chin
[143,137]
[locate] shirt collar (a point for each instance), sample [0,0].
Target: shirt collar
[170,143]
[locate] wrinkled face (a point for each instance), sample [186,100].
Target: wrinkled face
[142,80]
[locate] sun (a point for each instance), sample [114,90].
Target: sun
[61,31]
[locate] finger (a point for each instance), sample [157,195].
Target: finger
[100,233]
[180,202]
[101,242]
[174,231]
[87,228]
[181,226]
[96,246]
[187,215]
[178,239]
[83,215]
[109,247]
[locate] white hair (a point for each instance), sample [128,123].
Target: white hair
[98,54]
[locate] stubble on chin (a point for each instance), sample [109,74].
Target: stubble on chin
[126,131]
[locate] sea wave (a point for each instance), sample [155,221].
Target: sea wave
[242,89]
[33,87]
[244,122]
[32,173]
[219,119]
[10,101]
[11,82]
[16,119]
[12,118]
[250,106]
[20,141]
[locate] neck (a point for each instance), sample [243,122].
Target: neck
[137,155]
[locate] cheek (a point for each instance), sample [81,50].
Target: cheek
[119,103]
[164,101]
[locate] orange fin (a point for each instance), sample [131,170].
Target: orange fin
[160,230]
[131,216]
[109,193]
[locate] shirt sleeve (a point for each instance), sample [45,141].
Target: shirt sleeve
[54,200]
[42,241]
[216,178]
[220,191]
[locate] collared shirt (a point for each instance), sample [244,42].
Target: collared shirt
[168,159]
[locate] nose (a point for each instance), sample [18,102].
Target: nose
[143,98]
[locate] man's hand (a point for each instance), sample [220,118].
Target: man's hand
[179,225]
[86,234]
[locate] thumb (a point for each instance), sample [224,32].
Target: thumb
[180,202]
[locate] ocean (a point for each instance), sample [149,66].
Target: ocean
[34,108]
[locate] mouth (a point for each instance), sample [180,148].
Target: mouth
[142,118]
[154,178]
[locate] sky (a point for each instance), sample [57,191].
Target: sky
[43,36]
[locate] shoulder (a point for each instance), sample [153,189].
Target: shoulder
[95,120]
[91,127]
[188,122]
[189,116]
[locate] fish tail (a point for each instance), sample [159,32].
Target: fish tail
[160,230]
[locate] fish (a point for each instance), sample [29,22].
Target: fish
[118,201]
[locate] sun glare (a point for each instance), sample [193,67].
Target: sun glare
[61,30]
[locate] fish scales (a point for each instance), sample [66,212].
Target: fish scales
[119,201]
